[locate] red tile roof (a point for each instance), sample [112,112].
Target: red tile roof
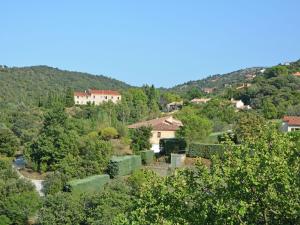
[78,93]
[103,92]
[297,74]
[292,120]
[161,124]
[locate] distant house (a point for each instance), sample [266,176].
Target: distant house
[174,106]
[297,74]
[208,90]
[200,100]
[291,123]
[239,104]
[164,127]
[244,85]
[96,97]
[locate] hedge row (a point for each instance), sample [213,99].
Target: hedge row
[147,156]
[123,165]
[172,145]
[205,150]
[88,184]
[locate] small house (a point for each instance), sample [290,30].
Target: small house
[291,123]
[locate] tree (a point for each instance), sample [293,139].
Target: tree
[249,126]
[108,133]
[9,143]
[140,138]
[195,128]
[254,183]
[18,199]
[69,99]
[61,208]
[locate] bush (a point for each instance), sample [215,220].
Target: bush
[172,145]
[205,150]
[123,165]
[109,133]
[89,184]
[147,156]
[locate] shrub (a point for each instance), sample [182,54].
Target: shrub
[109,133]
[205,150]
[147,156]
[123,165]
[172,145]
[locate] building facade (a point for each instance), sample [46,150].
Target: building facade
[291,123]
[164,127]
[96,97]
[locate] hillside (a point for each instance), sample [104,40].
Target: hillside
[220,81]
[29,84]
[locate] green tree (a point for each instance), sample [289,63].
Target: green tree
[9,143]
[140,138]
[69,99]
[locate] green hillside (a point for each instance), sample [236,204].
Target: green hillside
[219,81]
[29,84]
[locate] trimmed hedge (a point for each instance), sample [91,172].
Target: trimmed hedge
[172,145]
[147,156]
[205,150]
[123,165]
[89,184]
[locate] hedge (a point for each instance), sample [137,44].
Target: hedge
[172,145]
[147,156]
[205,150]
[89,184]
[123,165]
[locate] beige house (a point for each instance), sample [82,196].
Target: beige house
[291,123]
[164,127]
[200,100]
[96,97]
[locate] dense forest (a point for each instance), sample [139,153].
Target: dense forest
[248,172]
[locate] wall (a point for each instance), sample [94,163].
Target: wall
[96,99]
[164,134]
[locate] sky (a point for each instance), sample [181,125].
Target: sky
[160,42]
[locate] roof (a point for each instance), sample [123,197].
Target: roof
[167,123]
[96,92]
[103,92]
[297,74]
[292,120]
[200,100]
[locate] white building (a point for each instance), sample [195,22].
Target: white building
[96,97]
[291,123]
[239,104]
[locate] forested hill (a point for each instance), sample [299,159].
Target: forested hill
[29,84]
[220,81]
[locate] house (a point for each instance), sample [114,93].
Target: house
[164,127]
[291,123]
[208,90]
[244,85]
[174,106]
[96,97]
[297,74]
[200,100]
[239,104]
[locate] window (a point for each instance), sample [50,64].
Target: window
[77,96]
[159,134]
[94,96]
[112,97]
[118,98]
[105,97]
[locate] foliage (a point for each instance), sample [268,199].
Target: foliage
[123,165]
[206,151]
[54,183]
[172,145]
[249,126]
[9,143]
[147,156]
[108,133]
[18,199]
[195,128]
[140,138]
[255,183]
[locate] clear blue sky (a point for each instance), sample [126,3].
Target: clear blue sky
[161,42]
